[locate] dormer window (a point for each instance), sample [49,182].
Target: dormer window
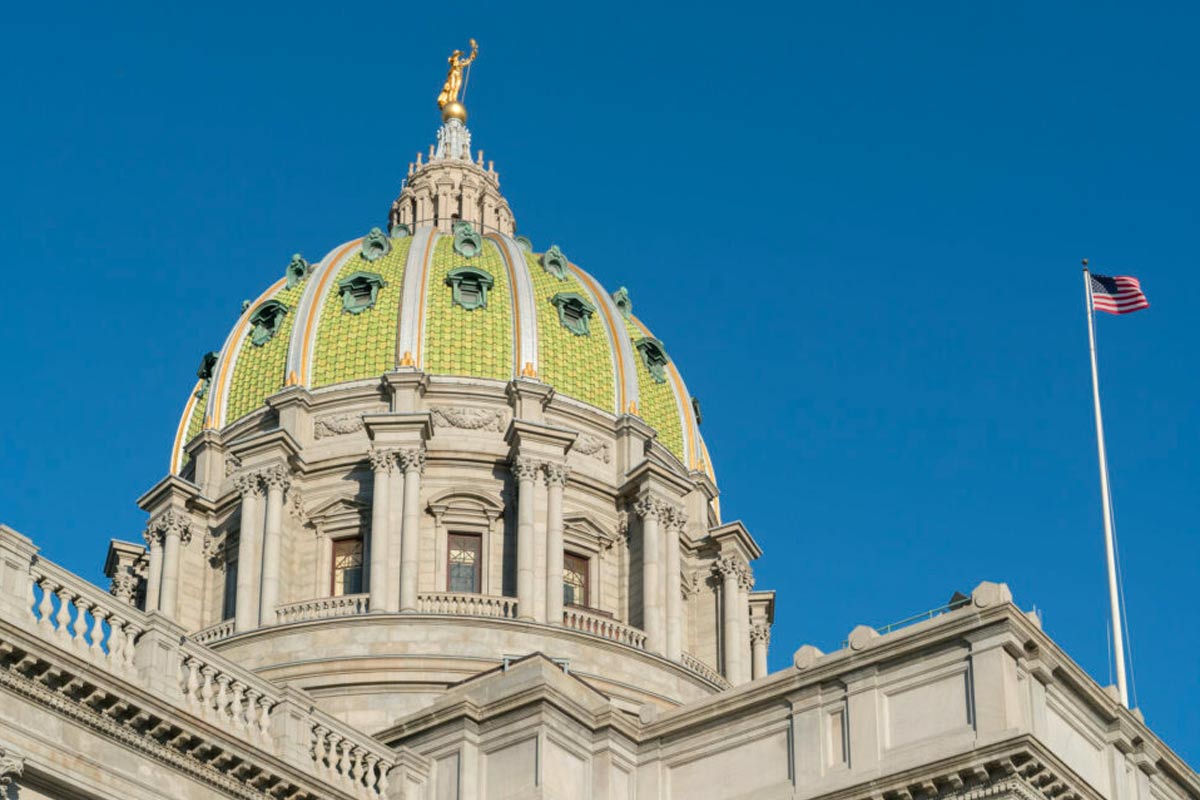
[360,291]
[266,321]
[469,287]
[205,372]
[574,312]
[654,355]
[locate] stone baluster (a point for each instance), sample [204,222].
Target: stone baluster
[652,510]
[676,523]
[760,638]
[249,540]
[81,628]
[320,747]
[525,471]
[207,691]
[277,482]
[370,774]
[237,707]
[412,464]
[729,568]
[96,634]
[63,618]
[556,479]
[381,465]
[46,606]
[222,708]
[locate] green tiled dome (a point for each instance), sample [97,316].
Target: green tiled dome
[450,304]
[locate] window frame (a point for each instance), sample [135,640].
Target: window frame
[478,538]
[586,563]
[333,567]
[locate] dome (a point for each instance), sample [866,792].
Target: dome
[453,298]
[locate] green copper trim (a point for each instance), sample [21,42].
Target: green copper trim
[399,231]
[623,302]
[469,286]
[360,290]
[467,242]
[297,270]
[655,357]
[266,320]
[574,312]
[554,262]
[205,372]
[526,243]
[375,245]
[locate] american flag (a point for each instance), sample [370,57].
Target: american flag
[1119,295]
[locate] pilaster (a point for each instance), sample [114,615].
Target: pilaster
[406,388]
[293,405]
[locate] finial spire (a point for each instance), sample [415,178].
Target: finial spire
[448,100]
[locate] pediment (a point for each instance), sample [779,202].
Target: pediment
[337,513]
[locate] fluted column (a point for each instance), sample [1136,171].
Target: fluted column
[173,530]
[760,638]
[675,523]
[412,464]
[154,541]
[556,479]
[249,543]
[730,568]
[651,511]
[277,483]
[525,470]
[745,584]
[381,463]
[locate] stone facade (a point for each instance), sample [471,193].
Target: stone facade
[452,584]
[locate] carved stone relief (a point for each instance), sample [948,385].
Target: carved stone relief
[470,419]
[337,425]
[592,446]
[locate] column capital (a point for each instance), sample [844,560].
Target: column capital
[760,633]
[650,507]
[12,765]
[248,483]
[382,458]
[727,566]
[169,523]
[276,477]
[411,459]
[526,468]
[556,474]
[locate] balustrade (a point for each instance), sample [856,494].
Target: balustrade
[469,605]
[346,605]
[605,627]
[704,670]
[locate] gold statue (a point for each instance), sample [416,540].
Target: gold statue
[454,78]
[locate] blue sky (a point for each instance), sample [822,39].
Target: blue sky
[856,227]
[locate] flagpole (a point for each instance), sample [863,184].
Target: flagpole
[1110,550]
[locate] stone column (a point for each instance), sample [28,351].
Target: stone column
[154,541]
[525,471]
[377,582]
[651,510]
[173,530]
[676,522]
[276,480]
[246,608]
[556,479]
[760,638]
[745,584]
[412,464]
[730,568]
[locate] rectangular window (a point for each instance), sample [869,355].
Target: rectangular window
[575,580]
[347,566]
[229,598]
[464,563]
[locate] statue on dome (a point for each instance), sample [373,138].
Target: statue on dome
[454,78]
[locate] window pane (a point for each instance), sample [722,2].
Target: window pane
[463,565]
[575,580]
[347,566]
